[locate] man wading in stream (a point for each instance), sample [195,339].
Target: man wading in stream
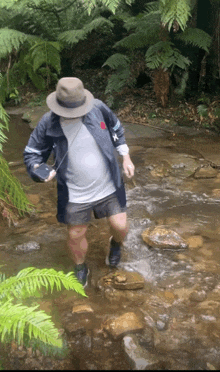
[83,134]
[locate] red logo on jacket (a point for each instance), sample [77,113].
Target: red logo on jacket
[102,125]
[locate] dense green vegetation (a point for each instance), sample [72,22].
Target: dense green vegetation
[167,42]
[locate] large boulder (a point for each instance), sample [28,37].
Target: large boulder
[160,237]
[124,324]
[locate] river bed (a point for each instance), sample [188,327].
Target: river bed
[180,302]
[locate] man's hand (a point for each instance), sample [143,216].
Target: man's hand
[128,166]
[51,175]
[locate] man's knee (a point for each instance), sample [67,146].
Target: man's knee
[76,233]
[119,222]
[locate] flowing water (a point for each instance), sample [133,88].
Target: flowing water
[165,192]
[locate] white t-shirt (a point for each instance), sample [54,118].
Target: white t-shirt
[88,175]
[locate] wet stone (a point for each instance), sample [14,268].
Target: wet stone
[126,323]
[139,358]
[122,280]
[195,241]
[198,296]
[27,247]
[80,309]
[160,237]
[206,172]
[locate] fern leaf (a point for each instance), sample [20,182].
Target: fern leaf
[9,40]
[175,10]
[163,54]
[196,37]
[4,120]
[46,52]
[118,81]
[117,60]
[152,7]
[11,190]
[74,36]
[33,279]
[15,320]
[99,22]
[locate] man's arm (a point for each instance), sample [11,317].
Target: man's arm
[38,148]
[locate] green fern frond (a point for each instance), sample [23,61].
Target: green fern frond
[196,37]
[4,120]
[46,52]
[99,22]
[74,36]
[117,60]
[9,40]
[153,7]
[17,319]
[163,54]
[11,190]
[33,279]
[118,80]
[175,10]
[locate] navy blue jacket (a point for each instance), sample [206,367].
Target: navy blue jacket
[48,137]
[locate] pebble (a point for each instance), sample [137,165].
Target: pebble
[28,247]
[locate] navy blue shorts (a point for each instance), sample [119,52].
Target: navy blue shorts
[80,214]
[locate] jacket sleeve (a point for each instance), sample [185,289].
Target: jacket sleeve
[115,128]
[39,146]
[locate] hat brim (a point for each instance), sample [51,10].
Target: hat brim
[54,106]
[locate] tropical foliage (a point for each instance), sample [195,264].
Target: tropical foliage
[19,321]
[149,33]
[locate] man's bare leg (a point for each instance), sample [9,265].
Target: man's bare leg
[77,243]
[118,226]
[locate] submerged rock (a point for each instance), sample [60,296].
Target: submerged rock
[139,358]
[126,323]
[28,247]
[122,279]
[195,241]
[206,172]
[160,237]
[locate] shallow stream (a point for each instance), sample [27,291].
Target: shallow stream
[180,302]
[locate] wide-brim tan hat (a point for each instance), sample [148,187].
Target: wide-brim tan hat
[71,99]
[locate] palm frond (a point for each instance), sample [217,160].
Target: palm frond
[16,319]
[196,37]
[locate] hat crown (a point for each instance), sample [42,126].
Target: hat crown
[70,90]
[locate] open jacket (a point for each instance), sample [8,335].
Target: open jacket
[48,137]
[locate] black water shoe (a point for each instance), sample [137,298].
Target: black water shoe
[81,272]
[114,256]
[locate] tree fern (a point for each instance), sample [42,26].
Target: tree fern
[165,55]
[196,37]
[9,40]
[16,320]
[175,11]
